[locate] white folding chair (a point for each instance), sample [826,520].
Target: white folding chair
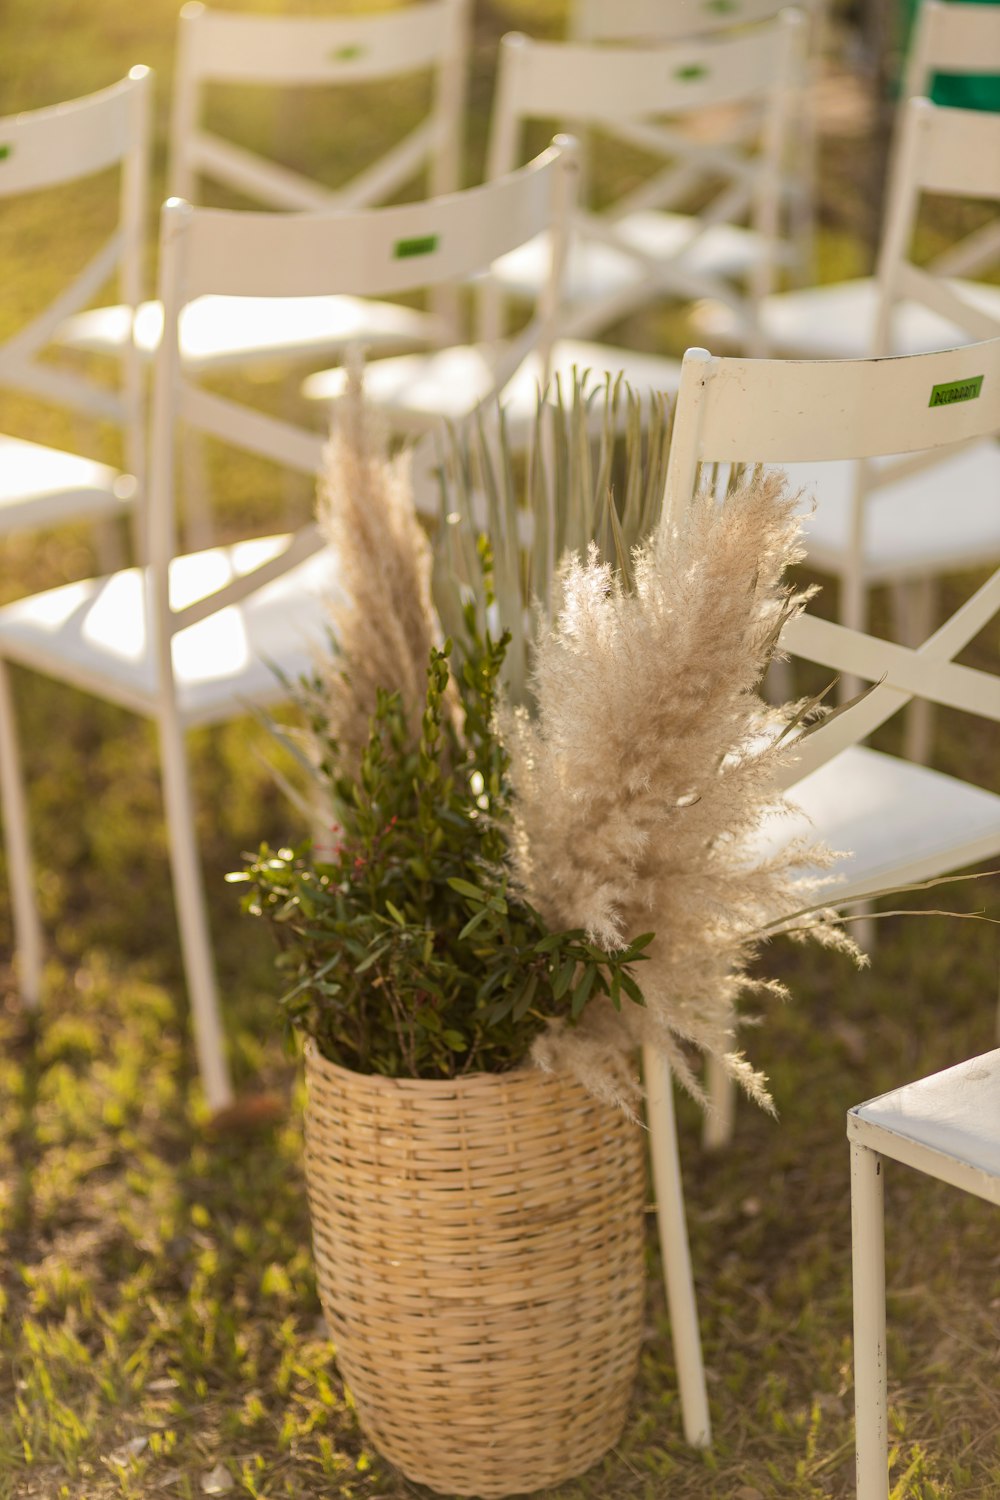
[44,151]
[217,48]
[194,639]
[902,822]
[624,257]
[852,318]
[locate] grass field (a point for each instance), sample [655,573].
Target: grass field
[160,1328]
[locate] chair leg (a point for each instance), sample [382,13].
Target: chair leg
[853,614]
[27,925]
[868,1251]
[197,527]
[779,682]
[717,1130]
[192,917]
[674,1249]
[913,606]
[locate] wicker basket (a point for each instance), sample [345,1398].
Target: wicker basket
[479,1251]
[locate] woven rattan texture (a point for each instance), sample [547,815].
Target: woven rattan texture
[479,1252]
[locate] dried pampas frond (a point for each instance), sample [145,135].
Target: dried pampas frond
[642,783]
[382,621]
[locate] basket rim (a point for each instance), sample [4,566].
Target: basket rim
[525,1074]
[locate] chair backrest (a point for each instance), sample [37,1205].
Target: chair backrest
[226,47]
[217,47]
[48,149]
[778,411]
[644,98]
[947,152]
[792,411]
[375,252]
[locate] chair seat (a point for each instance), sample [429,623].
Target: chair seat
[42,486]
[891,818]
[419,389]
[954,1115]
[724,250]
[93,633]
[903,532]
[595,269]
[838,321]
[218,332]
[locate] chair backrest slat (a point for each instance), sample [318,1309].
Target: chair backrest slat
[597,85]
[957,151]
[226,47]
[46,148]
[375,252]
[655,21]
[792,410]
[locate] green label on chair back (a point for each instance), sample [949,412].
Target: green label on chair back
[691,72]
[350,53]
[956,390]
[423,244]
[5,150]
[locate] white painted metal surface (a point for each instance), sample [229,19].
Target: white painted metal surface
[216,48]
[189,639]
[946,1126]
[43,150]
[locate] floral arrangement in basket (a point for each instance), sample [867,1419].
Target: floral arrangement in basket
[572,874]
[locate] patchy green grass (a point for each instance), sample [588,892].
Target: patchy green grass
[158,1314]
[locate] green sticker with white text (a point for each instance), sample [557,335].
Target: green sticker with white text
[348,54]
[956,390]
[691,72]
[5,151]
[424,244]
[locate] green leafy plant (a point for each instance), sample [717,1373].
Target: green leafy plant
[406,951]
